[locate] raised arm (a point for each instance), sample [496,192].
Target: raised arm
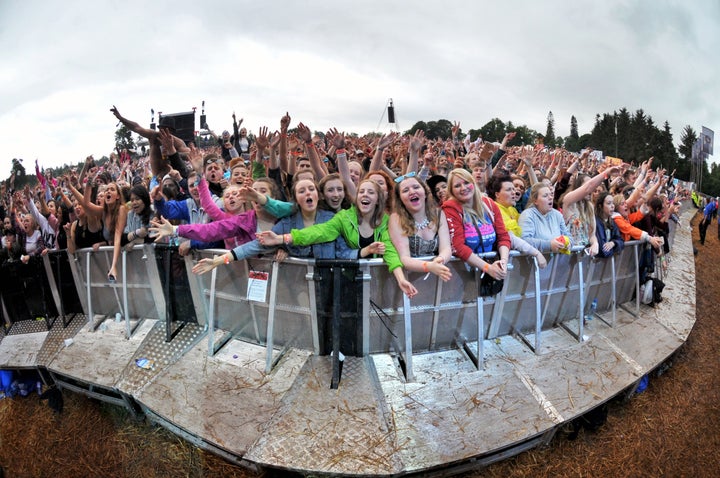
[284,124]
[416,142]
[338,142]
[377,162]
[318,167]
[132,125]
[586,189]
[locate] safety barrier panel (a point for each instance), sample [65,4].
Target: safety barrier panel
[292,304]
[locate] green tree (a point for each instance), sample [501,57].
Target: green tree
[433,129]
[687,166]
[550,131]
[494,130]
[620,141]
[687,140]
[420,125]
[665,151]
[523,135]
[571,142]
[123,139]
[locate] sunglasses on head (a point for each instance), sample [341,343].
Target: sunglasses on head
[400,179]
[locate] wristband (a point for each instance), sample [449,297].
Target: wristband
[486,267]
[425,266]
[341,151]
[286,239]
[226,259]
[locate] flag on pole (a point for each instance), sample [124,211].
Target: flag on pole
[707,137]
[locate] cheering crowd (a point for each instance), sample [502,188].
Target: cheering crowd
[413,201]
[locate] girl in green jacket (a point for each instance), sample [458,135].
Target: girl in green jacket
[364,227]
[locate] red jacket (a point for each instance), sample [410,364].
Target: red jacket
[454,213]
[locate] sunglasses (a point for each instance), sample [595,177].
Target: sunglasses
[400,179]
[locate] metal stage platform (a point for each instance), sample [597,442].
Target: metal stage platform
[214,387]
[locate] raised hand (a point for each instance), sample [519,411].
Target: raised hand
[195,157]
[262,138]
[387,140]
[275,140]
[161,228]
[247,193]
[117,115]
[285,123]
[337,139]
[304,133]
[455,128]
[167,142]
[416,141]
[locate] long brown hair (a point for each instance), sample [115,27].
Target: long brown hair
[377,215]
[115,211]
[389,185]
[407,222]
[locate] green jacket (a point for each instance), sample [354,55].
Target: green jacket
[345,223]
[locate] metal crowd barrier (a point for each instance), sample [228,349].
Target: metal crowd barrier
[295,304]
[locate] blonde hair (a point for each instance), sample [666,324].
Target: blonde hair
[478,209]
[585,208]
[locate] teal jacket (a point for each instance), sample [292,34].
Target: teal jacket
[345,223]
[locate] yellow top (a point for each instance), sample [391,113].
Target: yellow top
[510,217]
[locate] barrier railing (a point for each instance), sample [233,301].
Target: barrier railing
[295,304]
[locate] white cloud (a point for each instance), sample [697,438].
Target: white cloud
[337,64]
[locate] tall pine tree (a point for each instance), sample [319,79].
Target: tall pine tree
[550,131]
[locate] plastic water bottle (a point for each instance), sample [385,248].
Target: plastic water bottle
[593,308]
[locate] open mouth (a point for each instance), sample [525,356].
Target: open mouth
[414,199]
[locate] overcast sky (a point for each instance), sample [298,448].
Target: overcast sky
[337,63]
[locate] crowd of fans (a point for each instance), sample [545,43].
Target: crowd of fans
[413,201]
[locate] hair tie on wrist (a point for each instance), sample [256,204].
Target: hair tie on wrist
[425,266]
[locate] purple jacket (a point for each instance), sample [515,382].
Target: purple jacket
[234,229]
